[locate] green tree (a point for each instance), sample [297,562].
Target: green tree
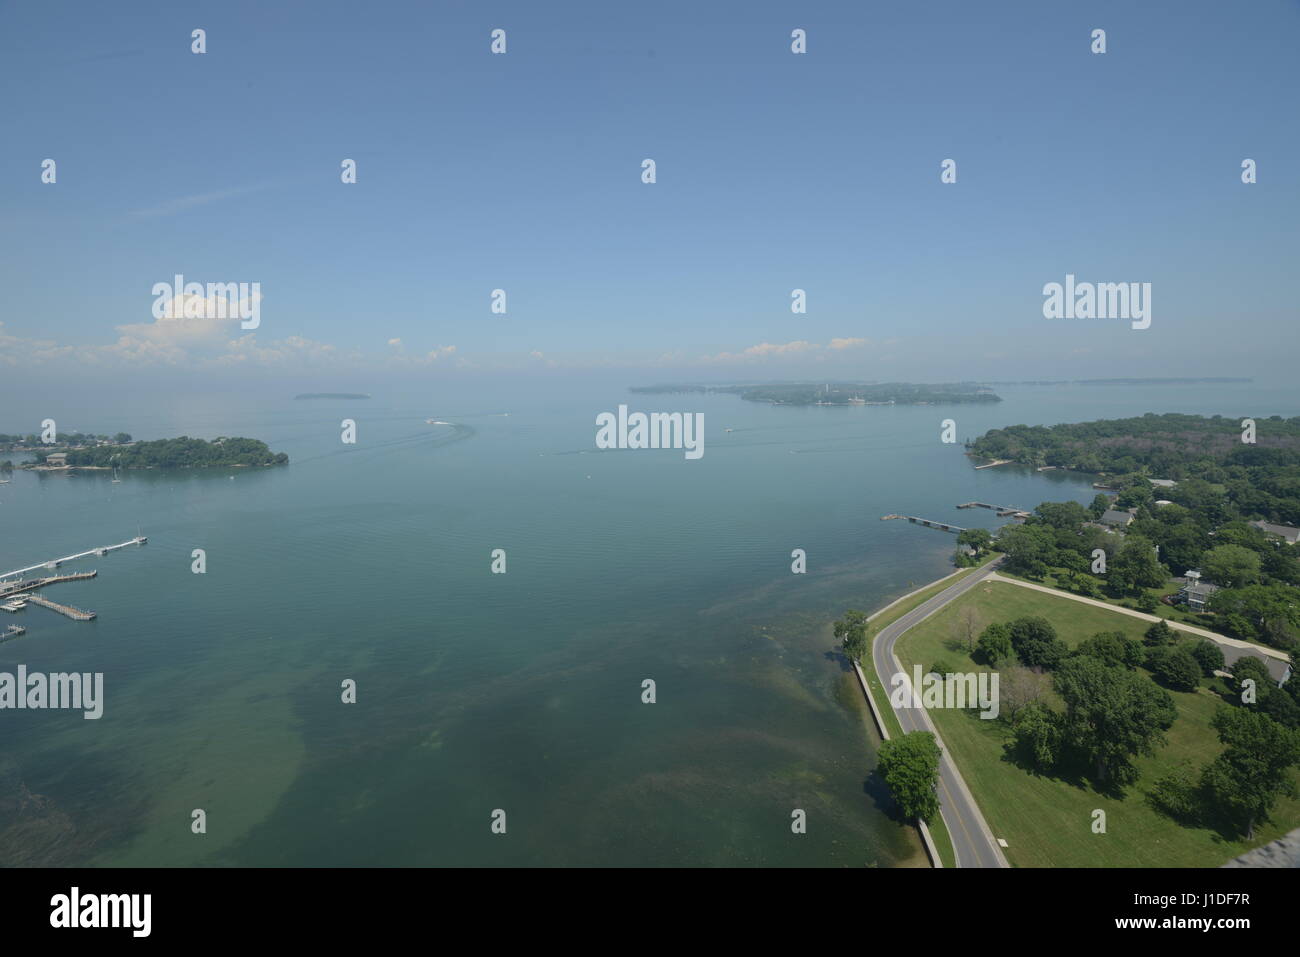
[1159,634]
[1112,715]
[1027,547]
[1136,567]
[1113,648]
[977,538]
[1231,566]
[1251,668]
[1254,770]
[994,643]
[1175,794]
[1036,735]
[1175,667]
[1062,515]
[851,632]
[1036,643]
[1208,655]
[910,767]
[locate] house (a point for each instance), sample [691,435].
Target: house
[1162,483]
[1163,501]
[1116,517]
[1195,593]
[1285,532]
[58,459]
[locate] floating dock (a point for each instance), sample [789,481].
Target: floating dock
[11,632]
[74,613]
[945,526]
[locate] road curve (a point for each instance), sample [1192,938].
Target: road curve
[972,840]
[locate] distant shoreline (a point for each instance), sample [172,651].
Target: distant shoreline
[333,395]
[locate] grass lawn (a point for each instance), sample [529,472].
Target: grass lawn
[1047,821]
[1056,578]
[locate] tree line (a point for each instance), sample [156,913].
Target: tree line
[182,452]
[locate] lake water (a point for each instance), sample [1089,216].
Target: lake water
[478,691]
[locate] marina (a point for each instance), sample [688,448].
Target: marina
[16,592]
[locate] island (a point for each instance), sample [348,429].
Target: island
[840,393]
[179,453]
[1157,380]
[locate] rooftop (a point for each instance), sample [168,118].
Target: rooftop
[1289,534]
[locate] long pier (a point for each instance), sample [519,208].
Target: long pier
[74,613]
[945,526]
[56,562]
[1002,510]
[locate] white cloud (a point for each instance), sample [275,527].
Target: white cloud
[839,344]
[180,205]
[780,350]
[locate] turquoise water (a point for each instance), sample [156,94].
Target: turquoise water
[478,691]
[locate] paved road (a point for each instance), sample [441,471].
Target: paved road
[972,840]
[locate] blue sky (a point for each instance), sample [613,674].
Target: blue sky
[775,172]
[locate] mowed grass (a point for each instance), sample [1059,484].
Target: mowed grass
[1047,821]
[1055,578]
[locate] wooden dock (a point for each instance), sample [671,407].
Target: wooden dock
[945,526]
[1002,510]
[74,613]
[18,587]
